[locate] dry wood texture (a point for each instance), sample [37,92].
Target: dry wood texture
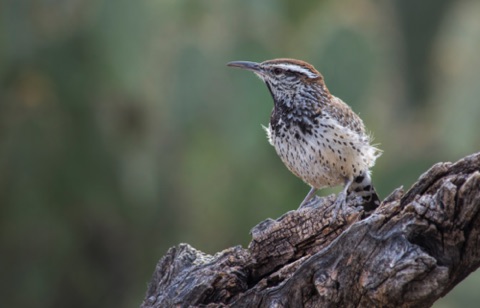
[410,251]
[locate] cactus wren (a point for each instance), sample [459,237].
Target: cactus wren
[317,136]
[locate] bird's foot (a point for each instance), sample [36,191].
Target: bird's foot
[309,197]
[339,204]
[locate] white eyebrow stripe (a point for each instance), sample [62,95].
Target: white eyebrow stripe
[297,68]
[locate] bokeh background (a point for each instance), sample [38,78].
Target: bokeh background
[123,133]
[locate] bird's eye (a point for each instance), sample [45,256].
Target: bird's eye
[277,71]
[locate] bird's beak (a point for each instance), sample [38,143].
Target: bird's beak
[246,65]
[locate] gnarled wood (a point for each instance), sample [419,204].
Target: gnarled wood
[410,251]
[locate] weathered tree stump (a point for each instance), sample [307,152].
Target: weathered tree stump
[409,252]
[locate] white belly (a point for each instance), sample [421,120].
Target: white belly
[327,157]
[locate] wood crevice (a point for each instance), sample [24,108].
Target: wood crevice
[414,248]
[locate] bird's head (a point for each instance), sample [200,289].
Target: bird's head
[288,80]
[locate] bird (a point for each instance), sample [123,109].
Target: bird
[318,137]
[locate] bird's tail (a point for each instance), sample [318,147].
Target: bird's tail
[362,186]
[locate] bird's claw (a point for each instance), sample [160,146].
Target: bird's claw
[338,204]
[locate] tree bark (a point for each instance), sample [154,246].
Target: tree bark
[413,249]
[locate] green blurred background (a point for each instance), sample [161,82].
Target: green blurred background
[123,133]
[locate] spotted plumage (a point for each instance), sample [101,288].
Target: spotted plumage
[317,136]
